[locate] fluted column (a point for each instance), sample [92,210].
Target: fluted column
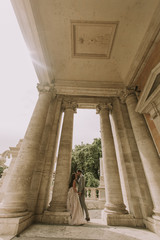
[40,164]
[15,198]
[60,190]
[147,151]
[114,201]
[47,177]
[134,185]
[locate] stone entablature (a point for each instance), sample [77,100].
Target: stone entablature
[84,102]
[92,88]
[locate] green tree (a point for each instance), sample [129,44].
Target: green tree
[91,181]
[86,157]
[2,165]
[1,171]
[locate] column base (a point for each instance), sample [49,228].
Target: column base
[121,220]
[55,217]
[153,224]
[14,226]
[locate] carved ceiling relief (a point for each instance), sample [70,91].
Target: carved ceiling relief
[93,39]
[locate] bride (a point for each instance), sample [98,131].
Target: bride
[73,203]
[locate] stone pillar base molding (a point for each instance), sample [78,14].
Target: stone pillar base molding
[14,226]
[115,208]
[153,224]
[126,220]
[13,215]
[55,217]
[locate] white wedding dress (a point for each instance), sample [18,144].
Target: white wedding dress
[74,207]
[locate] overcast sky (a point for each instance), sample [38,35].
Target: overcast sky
[18,93]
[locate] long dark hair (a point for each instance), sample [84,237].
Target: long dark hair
[73,176]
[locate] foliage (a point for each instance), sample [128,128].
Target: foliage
[90,180]
[1,171]
[2,168]
[86,157]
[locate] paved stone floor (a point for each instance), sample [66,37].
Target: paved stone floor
[94,230]
[89,231]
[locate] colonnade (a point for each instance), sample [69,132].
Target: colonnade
[130,161]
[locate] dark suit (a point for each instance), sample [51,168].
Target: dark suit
[81,189]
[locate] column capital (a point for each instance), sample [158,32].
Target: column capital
[67,104]
[107,106]
[46,88]
[126,92]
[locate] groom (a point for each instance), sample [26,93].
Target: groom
[81,193]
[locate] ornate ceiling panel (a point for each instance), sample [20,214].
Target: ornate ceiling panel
[93,39]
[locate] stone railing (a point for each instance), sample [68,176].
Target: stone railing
[95,197]
[92,193]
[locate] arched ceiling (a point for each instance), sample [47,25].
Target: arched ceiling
[95,44]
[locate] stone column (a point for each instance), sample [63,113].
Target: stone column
[101,173]
[60,190]
[101,186]
[15,198]
[40,164]
[14,153]
[147,151]
[133,181]
[47,176]
[114,200]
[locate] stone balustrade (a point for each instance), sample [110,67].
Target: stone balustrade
[95,197]
[92,193]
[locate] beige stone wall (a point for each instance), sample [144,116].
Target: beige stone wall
[154,131]
[152,61]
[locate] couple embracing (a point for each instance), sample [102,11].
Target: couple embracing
[76,200]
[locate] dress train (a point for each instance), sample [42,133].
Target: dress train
[74,207]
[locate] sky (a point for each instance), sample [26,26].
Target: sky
[18,92]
